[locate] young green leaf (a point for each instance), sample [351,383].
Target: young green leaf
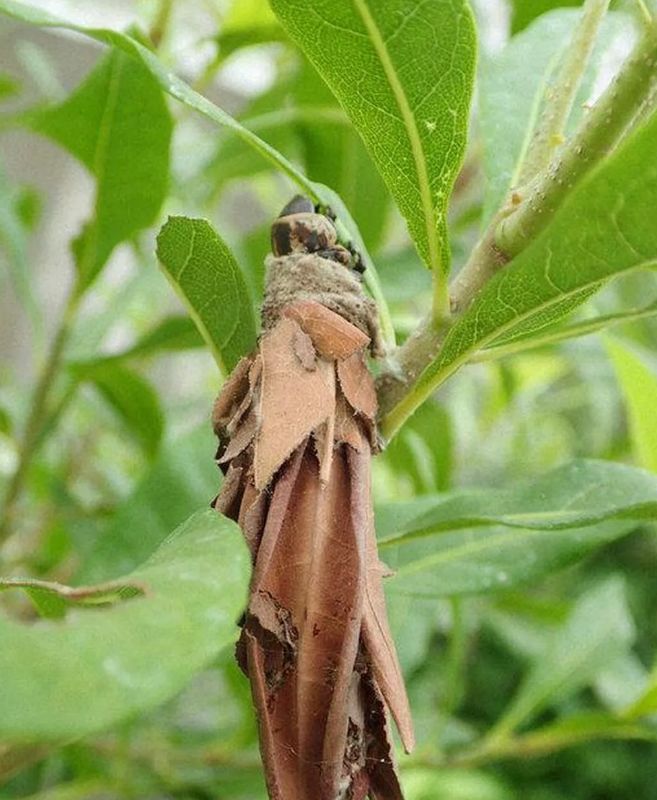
[598,234]
[638,380]
[208,279]
[479,541]
[598,630]
[403,72]
[133,398]
[117,124]
[98,667]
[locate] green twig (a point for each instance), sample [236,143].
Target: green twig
[14,758]
[550,130]
[456,654]
[645,12]
[37,415]
[535,744]
[161,23]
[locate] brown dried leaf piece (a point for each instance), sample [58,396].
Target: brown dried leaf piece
[332,335]
[293,400]
[357,385]
[315,643]
[232,393]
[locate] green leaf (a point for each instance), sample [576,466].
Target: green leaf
[177,88]
[247,23]
[53,599]
[622,682]
[597,235]
[98,667]
[518,343]
[646,705]
[166,80]
[9,86]
[524,11]
[597,631]
[171,335]
[403,72]
[578,494]
[638,380]
[181,479]
[334,154]
[117,124]
[479,541]
[133,398]
[208,279]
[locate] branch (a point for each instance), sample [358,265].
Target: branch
[520,222]
[535,744]
[549,133]
[161,23]
[600,133]
[37,415]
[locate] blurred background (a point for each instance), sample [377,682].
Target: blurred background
[104,488]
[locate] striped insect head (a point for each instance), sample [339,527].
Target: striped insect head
[301,228]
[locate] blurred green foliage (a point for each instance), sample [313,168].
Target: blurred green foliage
[511,504]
